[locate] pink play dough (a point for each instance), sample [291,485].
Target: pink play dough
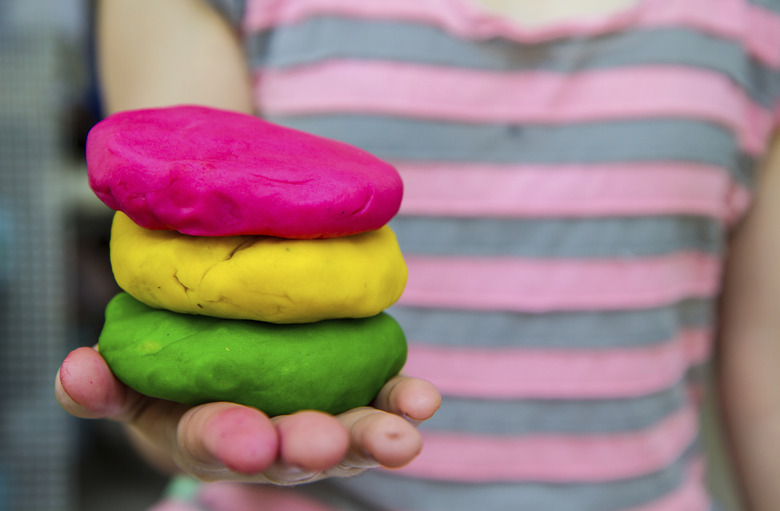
[209,172]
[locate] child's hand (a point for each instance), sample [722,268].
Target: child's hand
[226,441]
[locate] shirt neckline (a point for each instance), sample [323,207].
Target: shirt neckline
[488,23]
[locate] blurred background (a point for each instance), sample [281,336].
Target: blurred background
[55,277]
[54,273]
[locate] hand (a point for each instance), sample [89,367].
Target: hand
[226,441]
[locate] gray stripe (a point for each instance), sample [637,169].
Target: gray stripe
[646,140]
[553,330]
[700,374]
[377,491]
[772,5]
[324,38]
[556,416]
[624,237]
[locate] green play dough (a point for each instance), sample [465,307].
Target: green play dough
[331,365]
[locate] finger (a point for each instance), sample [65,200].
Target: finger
[379,438]
[86,388]
[311,441]
[412,398]
[225,441]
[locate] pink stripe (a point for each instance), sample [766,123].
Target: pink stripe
[735,19]
[544,285]
[174,505]
[478,96]
[697,392]
[538,373]
[567,190]
[738,202]
[227,496]
[777,113]
[554,458]
[697,468]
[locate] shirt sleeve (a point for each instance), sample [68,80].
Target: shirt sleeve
[232,10]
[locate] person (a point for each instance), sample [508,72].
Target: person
[589,219]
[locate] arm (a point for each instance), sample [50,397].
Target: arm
[153,53]
[157,53]
[749,358]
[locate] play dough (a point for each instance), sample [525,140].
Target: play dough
[259,277]
[330,365]
[209,172]
[256,261]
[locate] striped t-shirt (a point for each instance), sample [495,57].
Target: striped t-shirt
[568,194]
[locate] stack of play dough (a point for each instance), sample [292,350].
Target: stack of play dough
[256,261]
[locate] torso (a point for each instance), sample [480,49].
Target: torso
[569,189]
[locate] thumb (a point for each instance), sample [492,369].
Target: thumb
[86,387]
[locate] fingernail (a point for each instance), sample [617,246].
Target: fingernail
[367,460]
[411,421]
[294,474]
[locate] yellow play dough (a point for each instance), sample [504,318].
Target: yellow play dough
[259,277]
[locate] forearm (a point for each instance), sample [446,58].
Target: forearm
[749,347]
[751,413]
